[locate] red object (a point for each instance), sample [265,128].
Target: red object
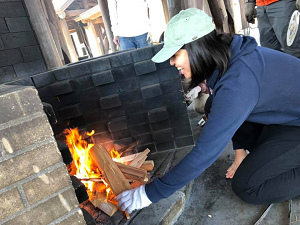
[265,2]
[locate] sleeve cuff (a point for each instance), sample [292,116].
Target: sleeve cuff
[236,145]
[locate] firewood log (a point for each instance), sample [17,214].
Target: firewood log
[148,165]
[140,158]
[113,176]
[107,207]
[132,173]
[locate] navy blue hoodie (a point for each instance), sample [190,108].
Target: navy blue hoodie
[260,85]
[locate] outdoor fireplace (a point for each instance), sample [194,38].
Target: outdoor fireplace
[124,97]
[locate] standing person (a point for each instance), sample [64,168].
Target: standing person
[273,18]
[130,23]
[255,100]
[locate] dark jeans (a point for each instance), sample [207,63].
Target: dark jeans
[271,171]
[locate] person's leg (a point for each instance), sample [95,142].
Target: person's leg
[126,43]
[279,14]
[266,33]
[141,41]
[271,172]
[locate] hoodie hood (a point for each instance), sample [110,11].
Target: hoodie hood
[240,46]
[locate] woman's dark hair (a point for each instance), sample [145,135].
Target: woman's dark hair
[207,54]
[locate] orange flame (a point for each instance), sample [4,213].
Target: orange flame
[79,148]
[115,155]
[83,165]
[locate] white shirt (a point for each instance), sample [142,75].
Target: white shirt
[129,18]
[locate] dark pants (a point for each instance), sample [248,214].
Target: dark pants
[271,172]
[273,22]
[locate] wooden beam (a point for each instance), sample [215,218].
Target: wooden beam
[99,34]
[56,40]
[69,42]
[79,31]
[63,7]
[93,40]
[98,20]
[107,24]
[54,20]
[243,17]
[73,13]
[113,175]
[89,14]
[165,8]
[219,14]
[43,32]
[174,7]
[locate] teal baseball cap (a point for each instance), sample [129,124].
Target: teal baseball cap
[185,27]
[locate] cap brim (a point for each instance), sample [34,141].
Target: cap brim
[165,53]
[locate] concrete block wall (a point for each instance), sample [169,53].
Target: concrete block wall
[124,97]
[20,54]
[35,187]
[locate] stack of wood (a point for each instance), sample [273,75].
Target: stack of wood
[119,176]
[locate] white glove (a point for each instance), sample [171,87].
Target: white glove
[192,94]
[133,199]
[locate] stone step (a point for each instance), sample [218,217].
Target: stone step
[295,211]
[164,212]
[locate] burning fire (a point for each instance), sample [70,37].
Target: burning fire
[83,166]
[115,155]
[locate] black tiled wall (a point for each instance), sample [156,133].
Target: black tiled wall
[124,97]
[20,55]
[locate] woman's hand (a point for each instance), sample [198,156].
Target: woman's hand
[133,199]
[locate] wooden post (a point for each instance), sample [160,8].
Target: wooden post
[43,32]
[243,17]
[67,36]
[54,20]
[82,36]
[165,8]
[100,35]
[174,7]
[93,40]
[219,14]
[56,40]
[114,177]
[235,11]
[107,24]
[79,31]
